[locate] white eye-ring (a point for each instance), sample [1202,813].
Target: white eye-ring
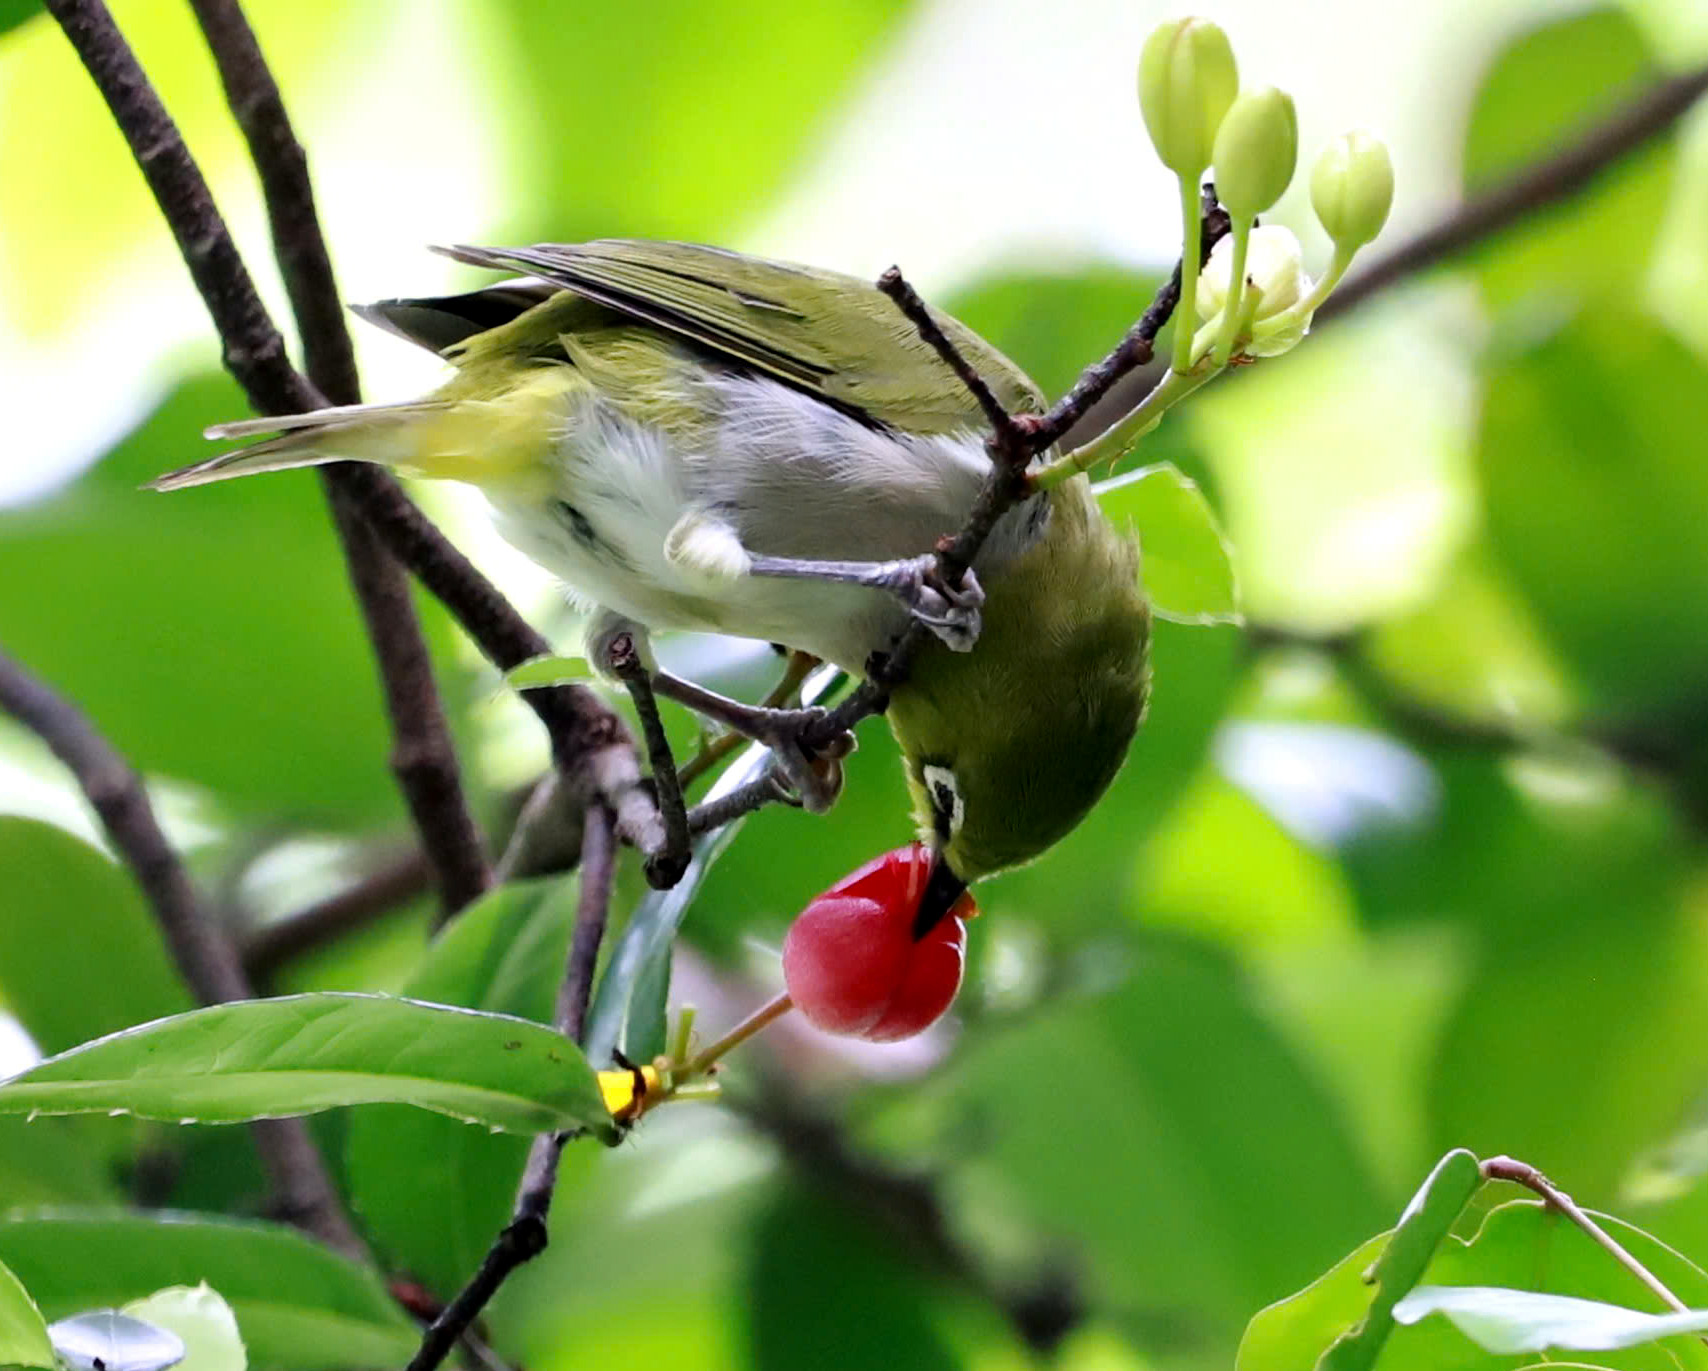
[945,794]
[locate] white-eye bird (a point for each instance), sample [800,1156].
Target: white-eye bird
[696,439]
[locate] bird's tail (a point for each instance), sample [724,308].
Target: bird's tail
[359,433]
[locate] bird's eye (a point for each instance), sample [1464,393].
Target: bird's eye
[946,806]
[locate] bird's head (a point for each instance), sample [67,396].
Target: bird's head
[1007,747]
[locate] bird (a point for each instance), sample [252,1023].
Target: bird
[694,438]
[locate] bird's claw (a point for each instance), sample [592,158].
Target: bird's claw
[813,777]
[950,612]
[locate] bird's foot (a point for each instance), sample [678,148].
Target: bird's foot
[814,774]
[950,612]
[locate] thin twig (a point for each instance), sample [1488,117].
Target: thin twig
[1139,346]
[379,892]
[760,1019]
[282,165]
[585,735]
[1533,188]
[590,745]
[1522,1173]
[423,759]
[524,1237]
[302,1190]
[543,805]
[598,870]
[1010,448]
[1655,750]
[1005,433]
[664,867]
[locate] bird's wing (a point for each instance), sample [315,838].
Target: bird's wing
[835,337]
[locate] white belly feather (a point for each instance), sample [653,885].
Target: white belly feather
[787,476]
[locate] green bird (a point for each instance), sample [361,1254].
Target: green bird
[691,438]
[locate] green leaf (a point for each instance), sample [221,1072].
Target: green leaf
[195,628]
[627,1013]
[1541,94]
[1475,651]
[300,1306]
[1597,509]
[549,670]
[23,1334]
[1341,1320]
[1294,1334]
[717,139]
[60,1161]
[432,1194]
[1525,1245]
[304,1053]
[1187,568]
[107,1340]
[1617,999]
[202,1319]
[16,12]
[80,952]
[879,1316]
[1508,1321]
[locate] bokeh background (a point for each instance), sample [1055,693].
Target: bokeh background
[1413,860]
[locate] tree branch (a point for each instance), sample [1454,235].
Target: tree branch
[302,1190]
[524,1237]
[588,740]
[1522,1173]
[1011,447]
[383,889]
[423,757]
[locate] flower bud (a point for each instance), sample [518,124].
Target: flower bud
[1274,264]
[1187,80]
[1352,188]
[1256,150]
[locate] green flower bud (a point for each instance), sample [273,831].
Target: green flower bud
[1352,188]
[1256,150]
[1187,80]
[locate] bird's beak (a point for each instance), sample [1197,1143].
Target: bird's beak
[942,888]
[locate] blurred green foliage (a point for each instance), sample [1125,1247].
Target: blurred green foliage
[1416,862]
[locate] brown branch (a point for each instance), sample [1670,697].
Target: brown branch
[382,890]
[1011,447]
[1522,1173]
[598,871]
[664,867]
[1656,750]
[1533,188]
[525,1236]
[282,165]
[587,739]
[423,757]
[1139,346]
[302,1191]
[1005,433]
